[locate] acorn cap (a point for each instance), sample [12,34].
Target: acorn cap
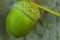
[28,9]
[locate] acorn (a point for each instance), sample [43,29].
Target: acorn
[22,19]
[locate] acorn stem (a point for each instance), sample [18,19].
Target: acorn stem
[24,0]
[46,9]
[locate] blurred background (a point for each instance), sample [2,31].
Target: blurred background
[48,27]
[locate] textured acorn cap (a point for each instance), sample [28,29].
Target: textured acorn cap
[28,9]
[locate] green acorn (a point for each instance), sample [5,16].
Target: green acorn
[22,18]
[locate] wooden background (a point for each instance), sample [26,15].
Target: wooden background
[48,27]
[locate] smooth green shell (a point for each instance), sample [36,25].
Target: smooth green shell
[19,22]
